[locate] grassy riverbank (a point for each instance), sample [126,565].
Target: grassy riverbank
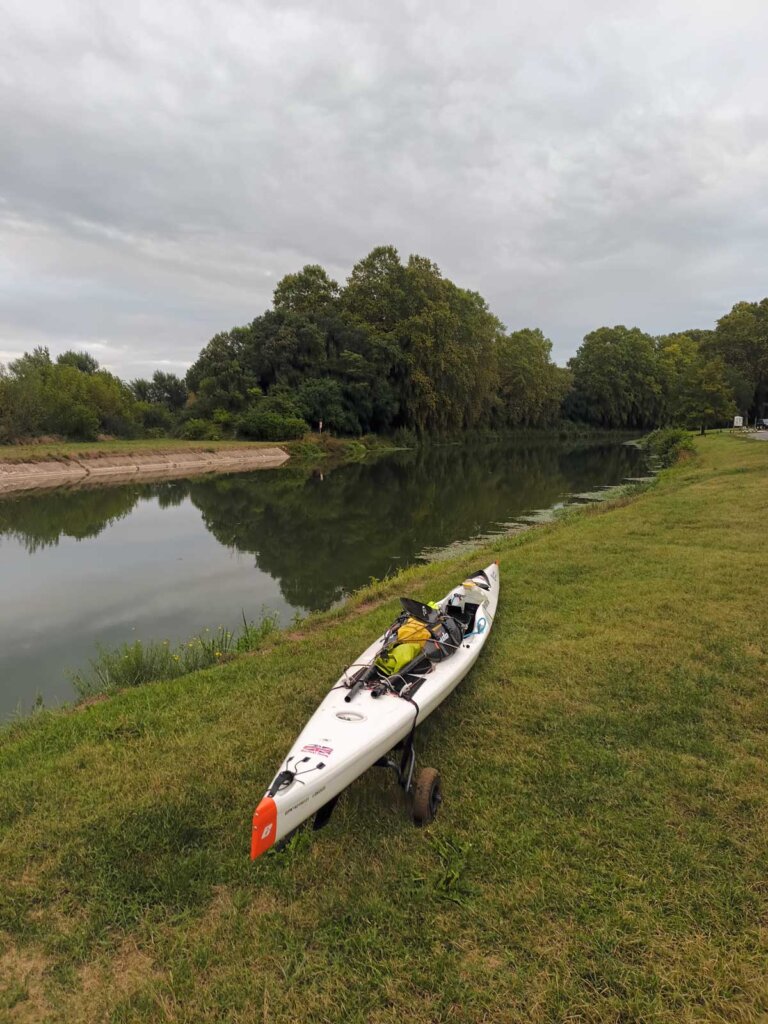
[601,854]
[312,446]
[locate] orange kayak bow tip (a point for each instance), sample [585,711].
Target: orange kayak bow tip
[264,827]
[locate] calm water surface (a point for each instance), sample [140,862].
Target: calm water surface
[164,560]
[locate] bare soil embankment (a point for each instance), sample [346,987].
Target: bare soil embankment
[97,469]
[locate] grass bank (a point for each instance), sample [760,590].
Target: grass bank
[314,445]
[65,451]
[601,854]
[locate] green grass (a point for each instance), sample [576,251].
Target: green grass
[600,856]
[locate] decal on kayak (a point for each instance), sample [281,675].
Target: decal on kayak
[306,799]
[315,748]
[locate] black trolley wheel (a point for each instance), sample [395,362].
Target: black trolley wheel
[427,796]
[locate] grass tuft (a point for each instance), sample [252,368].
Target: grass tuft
[137,663]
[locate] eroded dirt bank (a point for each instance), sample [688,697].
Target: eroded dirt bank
[25,476]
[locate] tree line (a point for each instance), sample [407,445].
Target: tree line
[398,349]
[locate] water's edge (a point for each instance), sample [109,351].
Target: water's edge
[116,469]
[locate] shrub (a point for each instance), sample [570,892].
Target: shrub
[404,438]
[200,430]
[667,444]
[154,417]
[225,420]
[79,422]
[258,425]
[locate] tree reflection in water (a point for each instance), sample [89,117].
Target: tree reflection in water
[323,533]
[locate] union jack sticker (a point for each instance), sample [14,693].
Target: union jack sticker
[315,748]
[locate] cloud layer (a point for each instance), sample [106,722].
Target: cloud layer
[579,163]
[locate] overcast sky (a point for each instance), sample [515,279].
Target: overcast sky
[579,163]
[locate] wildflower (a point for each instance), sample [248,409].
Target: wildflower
[218,654]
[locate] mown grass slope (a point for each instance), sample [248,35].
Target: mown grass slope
[601,854]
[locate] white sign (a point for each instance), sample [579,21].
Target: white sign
[738,421]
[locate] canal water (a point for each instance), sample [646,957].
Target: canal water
[82,568]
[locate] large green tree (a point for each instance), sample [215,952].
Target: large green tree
[531,387]
[616,379]
[741,340]
[697,386]
[169,390]
[398,346]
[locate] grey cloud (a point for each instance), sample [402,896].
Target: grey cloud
[578,163]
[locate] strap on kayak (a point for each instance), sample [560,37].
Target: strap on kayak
[408,747]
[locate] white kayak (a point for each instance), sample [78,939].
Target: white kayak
[374,708]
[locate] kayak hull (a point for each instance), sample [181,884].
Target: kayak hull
[344,738]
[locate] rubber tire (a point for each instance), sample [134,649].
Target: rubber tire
[427,795]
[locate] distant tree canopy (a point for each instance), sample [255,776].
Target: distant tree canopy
[82,361]
[164,389]
[741,341]
[398,347]
[71,397]
[627,379]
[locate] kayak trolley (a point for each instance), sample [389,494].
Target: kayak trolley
[425,786]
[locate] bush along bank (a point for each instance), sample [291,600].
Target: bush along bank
[668,444]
